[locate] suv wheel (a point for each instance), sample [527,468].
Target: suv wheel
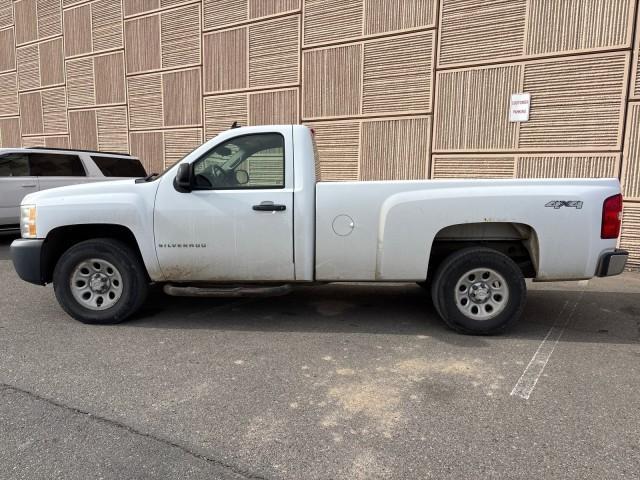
[479,291]
[100,281]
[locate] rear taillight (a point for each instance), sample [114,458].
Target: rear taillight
[611,217]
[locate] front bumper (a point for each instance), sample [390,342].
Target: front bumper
[612,263]
[27,259]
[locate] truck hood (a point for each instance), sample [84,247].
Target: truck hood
[71,192]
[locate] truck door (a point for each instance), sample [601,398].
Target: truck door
[237,222]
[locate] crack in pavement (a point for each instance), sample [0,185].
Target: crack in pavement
[233,469]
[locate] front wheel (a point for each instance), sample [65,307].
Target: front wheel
[479,291]
[100,281]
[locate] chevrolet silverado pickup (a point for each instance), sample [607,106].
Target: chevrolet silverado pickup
[246,214]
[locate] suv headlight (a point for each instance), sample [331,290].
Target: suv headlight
[28,221]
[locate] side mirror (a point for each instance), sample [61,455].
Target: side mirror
[242,177]
[183,180]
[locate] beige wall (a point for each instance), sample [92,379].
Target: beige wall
[396,89]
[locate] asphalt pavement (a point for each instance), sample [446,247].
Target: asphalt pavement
[332,382]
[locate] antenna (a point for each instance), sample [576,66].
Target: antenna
[235,125]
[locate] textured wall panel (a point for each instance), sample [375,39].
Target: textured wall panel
[397,74]
[630,238]
[274,107]
[381,17]
[570,25]
[225,60]
[331,82]
[219,13]
[100,129]
[472,110]
[576,103]
[145,101]
[338,145]
[113,135]
[7,50]
[476,32]
[177,143]
[472,166]
[395,149]
[10,132]
[160,149]
[6,13]
[635,87]
[110,82]
[568,166]
[40,65]
[265,8]
[93,27]
[142,44]
[149,148]
[279,107]
[37,19]
[81,82]
[26,21]
[30,111]
[181,97]
[106,18]
[44,112]
[49,18]
[180,36]
[77,31]
[221,111]
[332,20]
[55,141]
[631,162]
[135,7]
[51,62]
[168,39]
[9,94]
[54,111]
[28,62]
[83,129]
[98,80]
[274,52]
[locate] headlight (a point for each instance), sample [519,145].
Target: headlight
[28,221]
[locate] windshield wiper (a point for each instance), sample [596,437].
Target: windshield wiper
[147,178]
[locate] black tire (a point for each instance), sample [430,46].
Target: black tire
[134,288]
[454,270]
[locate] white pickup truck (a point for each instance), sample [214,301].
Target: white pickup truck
[244,214]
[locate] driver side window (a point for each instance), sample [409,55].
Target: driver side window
[250,161]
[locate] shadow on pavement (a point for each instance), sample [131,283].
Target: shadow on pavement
[399,310]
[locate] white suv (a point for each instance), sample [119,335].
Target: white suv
[27,170]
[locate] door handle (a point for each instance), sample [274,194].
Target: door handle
[269,207]
[28,185]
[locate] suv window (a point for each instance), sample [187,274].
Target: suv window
[14,165]
[56,165]
[119,167]
[249,161]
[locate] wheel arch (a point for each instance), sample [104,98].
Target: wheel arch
[519,241]
[60,239]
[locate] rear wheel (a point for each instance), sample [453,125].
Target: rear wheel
[479,291]
[100,281]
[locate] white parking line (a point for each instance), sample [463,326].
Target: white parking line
[532,373]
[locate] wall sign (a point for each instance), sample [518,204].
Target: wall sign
[520,106]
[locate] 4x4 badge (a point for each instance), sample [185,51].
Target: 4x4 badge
[557,204]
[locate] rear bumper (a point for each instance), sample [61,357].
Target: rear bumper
[612,263]
[27,259]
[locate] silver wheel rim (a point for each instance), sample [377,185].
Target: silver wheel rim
[482,294]
[96,284]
